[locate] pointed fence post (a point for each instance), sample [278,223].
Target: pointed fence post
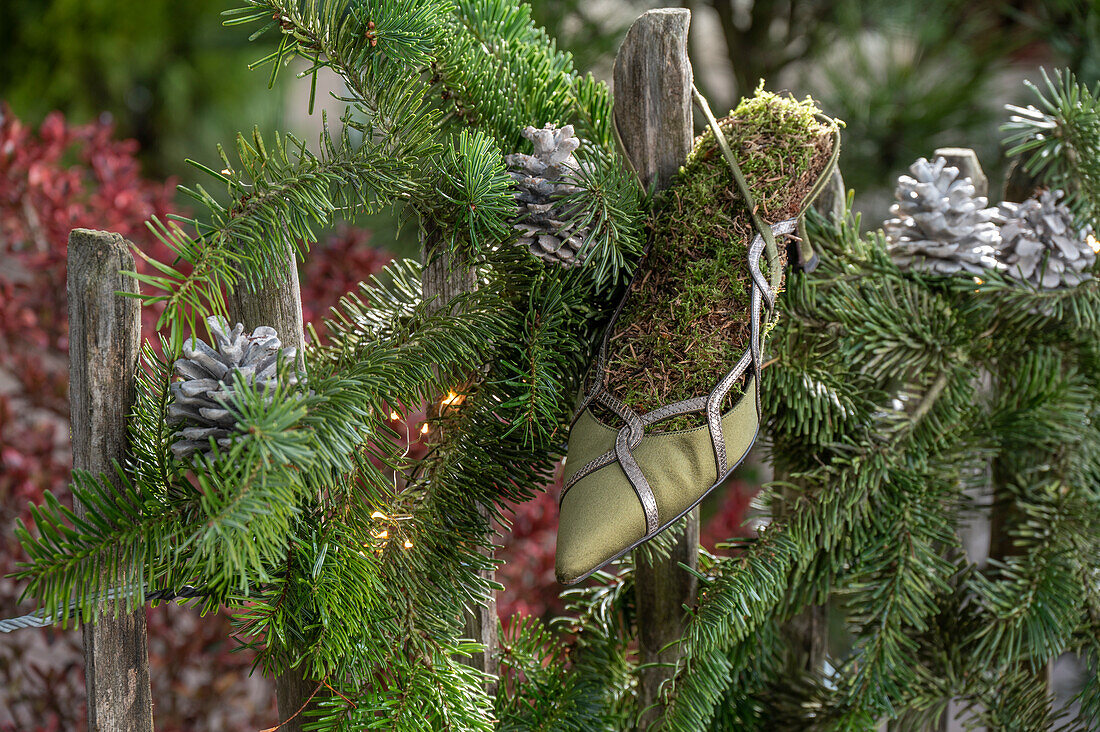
[277,303]
[806,633]
[104,342]
[966,160]
[653,116]
[441,281]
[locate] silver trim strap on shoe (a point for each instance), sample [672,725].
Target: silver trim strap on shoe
[638,480]
[761,291]
[631,434]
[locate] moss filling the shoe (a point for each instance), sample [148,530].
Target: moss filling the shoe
[687,318]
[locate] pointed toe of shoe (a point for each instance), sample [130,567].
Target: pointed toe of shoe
[601,516]
[600,520]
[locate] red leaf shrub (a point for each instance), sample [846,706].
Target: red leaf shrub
[336,266]
[730,505]
[530,587]
[52,180]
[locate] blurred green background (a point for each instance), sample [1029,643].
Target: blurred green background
[167,73]
[906,75]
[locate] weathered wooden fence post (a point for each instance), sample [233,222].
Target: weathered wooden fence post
[653,80]
[440,282]
[806,634]
[277,302]
[104,342]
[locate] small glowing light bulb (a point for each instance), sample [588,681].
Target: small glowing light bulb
[382,534]
[424,428]
[395,416]
[1094,244]
[408,544]
[379,515]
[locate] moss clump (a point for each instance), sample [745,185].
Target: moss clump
[686,321]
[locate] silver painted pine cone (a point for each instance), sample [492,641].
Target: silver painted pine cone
[1042,245]
[200,400]
[939,225]
[540,181]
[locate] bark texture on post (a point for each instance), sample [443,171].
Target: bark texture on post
[440,282]
[653,81]
[104,342]
[277,303]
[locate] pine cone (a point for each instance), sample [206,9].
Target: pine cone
[541,181]
[939,225]
[201,399]
[1042,244]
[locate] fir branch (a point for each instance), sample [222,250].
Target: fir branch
[1033,604]
[476,200]
[1014,701]
[1060,141]
[893,589]
[537,365]
[83,560]
[276,196]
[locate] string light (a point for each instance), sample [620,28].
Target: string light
[383,534]
[408,544]
[1093,243]
[380,515]
[452,399]
[395,416]
[424,428]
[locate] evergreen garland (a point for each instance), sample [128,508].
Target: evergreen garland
[297,524]
[879,418]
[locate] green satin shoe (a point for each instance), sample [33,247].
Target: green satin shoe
[626,479]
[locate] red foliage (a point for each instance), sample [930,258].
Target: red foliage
[530,587]
[731,504]
[334,267]
[52,180]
